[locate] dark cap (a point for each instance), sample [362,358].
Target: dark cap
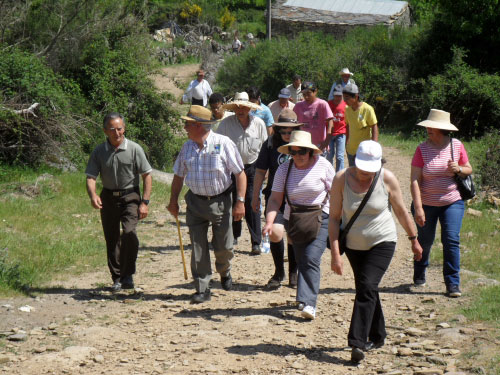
[309,85]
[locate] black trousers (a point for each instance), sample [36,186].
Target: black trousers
[122,248]
[196,101]
[369,267]
[252,218]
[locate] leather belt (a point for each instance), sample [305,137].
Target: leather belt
[122,192]
[207,198]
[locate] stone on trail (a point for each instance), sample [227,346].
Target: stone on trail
[443,325]
[4,359]
[412,331]
[472,212]
[430,371]
[26,308]
[99,358]
[451,334]
[404,352]
[436,360]
[18,337]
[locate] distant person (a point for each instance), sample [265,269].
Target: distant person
[198,91]
[120,163]
[361,121]
[296,89]
[216,101]
[209,198]
[248,132]
[236,44]
[264,112]
[345,78]
[337,143]
[436,197]
[316,115]
[282,103]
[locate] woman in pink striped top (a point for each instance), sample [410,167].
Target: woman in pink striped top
[436,197]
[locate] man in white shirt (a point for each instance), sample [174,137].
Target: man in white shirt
[296,89]
[283,102]
[198,91]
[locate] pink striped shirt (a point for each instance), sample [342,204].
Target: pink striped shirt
[307,187]
[438,187]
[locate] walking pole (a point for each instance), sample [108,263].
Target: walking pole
[182,248]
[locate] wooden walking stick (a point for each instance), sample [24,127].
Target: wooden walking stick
[182,248]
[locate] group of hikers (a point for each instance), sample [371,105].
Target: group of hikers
[235,146]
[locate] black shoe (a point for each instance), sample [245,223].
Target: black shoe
[127,282]
[292,280]
[117,286]
[235,242]
[370,345]
[357,355]
[274,283]
[226,282]
[201,297]
[255,250]
[453,291]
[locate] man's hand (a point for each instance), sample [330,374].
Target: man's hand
[143,210]
[238,211]
[96,202]
[173,208]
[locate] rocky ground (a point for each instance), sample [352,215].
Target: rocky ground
[77,326]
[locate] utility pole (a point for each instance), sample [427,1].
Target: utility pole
[268,20]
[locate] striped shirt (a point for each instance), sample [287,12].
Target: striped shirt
[207,171]
[308,187]
[438,187]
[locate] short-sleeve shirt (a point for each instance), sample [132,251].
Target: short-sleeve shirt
[314,116]
[269,160]
[338,111]
[276,108]
[120,167]
[207,171]
[438,187]
[360,123]
[265,114]
[296,93]
[249,140]
[307,187]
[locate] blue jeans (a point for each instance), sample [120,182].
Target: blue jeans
[450,217]
[337,148]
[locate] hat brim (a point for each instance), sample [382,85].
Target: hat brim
[197,119]
[284,96]
[438,125]
[342,73]
[288,124]
[284,149]
[368,165]
[241,103]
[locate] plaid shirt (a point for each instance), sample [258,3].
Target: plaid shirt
[207,171]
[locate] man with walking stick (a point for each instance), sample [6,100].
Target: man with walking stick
[205,163]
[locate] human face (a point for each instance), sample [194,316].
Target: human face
[435,136]
[337,99]
[349,99]
[242,112]
[310,96]
[301,161]
[192,129]
[201,76]
[283,102]
[217,110]
[115,130]
[297,83]
[363,176]
[345,77]
[285,134]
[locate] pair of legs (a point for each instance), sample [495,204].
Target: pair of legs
[450,217]
[367,320]
[122,248]
[337,149]
[199,215]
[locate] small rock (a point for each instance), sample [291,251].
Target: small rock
[4,359]
[99,358]
[53,326]
[26,308]
[429,371]
[476,213]
[412,331]
[18,337]
[297,365]
[405,352]
[443,325]
[124,360]
[436,360]
[41,349]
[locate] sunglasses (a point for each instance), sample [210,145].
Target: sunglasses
[285,132]
[300,152]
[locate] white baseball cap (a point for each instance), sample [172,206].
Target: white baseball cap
[369,156]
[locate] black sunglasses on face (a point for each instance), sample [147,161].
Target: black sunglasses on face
[285,132]
[301,152]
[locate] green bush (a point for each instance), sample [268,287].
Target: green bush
[490,161]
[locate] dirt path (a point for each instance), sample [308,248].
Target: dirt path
[78,327]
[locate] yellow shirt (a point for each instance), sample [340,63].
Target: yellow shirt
[360,123]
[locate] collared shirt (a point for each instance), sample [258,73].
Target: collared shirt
[207,171]
[342,83]
[296,93]
[120,167]
[198,90]
[265,114]
[249,140]
[276,108]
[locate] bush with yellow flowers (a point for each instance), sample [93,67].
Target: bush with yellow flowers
[190,11]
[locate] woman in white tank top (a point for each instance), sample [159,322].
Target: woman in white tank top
[371,240]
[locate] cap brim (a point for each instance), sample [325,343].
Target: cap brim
[438,125]
[368,165]
[284,96]
[284,149]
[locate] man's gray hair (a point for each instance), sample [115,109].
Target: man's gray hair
[111,116]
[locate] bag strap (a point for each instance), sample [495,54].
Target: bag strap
[451,145]
[362,204]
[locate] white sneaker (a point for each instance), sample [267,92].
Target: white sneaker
[309,312]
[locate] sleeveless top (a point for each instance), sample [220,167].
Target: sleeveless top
[375,223]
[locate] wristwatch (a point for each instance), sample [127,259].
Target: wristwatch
[241,199]
[145,201]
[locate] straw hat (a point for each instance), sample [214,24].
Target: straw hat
[369,156]
[346,71]
[241,100]
[197,113]
[438,119]
[288,119]
[299,138]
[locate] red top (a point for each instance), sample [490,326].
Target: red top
[338,117]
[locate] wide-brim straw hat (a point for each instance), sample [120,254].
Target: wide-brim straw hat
[299,138]
[438,119]
[287,119]
[197,113]
[241,100]
[345,71]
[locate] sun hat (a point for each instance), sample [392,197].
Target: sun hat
[438,119]
[337,90]
[299,138]
[345,71]
[197,113]
[284,93]
[369,156]
[351,88]
[287,118]
[309,85]
[241,100]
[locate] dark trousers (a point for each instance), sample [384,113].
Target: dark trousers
[196,101]
[122,248]
[367,317]
[251,217]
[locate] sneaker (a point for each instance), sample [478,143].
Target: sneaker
[201,297]
[309,312]
[453,291]
[292,280]
[255,250]
[418,286]
[226,282]
[127,282]
[357,355]
[117,286]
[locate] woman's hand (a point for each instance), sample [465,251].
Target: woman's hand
[453,166]
[417,250]
[337,264]
[268,229]
[420,216]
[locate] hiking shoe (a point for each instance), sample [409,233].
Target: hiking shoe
[357,355]
[418,286]
[226,282]
[255,250]
[127,282]
[273,283]
[117,286]
[201,297]
[292,280]
[370,345]
[453,291]
[309,312]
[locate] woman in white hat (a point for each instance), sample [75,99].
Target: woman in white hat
[371,240]
[436,197]
[304,180]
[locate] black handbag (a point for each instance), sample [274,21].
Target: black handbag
[465,185]
[343,232]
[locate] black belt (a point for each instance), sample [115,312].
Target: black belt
[122,192]
[207,198]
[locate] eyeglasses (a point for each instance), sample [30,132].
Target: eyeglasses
[300,152]
[285,132]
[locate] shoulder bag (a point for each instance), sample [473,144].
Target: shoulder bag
[343,232]
[464,185]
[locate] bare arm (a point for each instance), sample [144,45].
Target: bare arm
[416,180]
[241,187]
[260,175]
[147,183]
[175,189]
[274,204]
[329,127]
[336,197]
[95,200]
[375,133]
[269,130]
